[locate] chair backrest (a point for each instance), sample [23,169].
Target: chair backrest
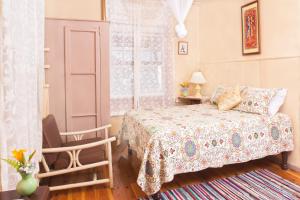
[51,137]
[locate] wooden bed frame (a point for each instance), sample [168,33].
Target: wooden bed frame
[157,196]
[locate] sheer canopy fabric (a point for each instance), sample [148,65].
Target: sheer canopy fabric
[180,9]
[142,54]
[21,78]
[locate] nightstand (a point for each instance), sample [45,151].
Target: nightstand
[189,100]
[42,193]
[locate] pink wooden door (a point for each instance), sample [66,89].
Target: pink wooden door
[82,71]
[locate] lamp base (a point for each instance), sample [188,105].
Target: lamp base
[198,90]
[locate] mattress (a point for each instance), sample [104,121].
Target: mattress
[183,139]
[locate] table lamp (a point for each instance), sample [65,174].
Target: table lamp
[198,78]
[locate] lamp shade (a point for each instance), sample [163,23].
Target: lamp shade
[198,78]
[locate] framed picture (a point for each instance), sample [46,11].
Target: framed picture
[250,28]
[183,48]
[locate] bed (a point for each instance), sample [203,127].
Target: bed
[181,139]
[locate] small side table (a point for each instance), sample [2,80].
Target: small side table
[42,193]
[190,100]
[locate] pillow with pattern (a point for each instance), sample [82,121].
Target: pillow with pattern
[220,90]
[229,99]
[217,93]
[256,100]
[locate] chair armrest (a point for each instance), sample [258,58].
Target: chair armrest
[85,131]
[78,147]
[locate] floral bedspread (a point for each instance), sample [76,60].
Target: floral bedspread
[182,139]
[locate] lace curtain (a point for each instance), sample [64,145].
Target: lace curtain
[180,9]
[21,75]
[142,54]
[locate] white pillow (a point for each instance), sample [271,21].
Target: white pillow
[277,101]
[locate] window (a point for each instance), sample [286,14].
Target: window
[142,54]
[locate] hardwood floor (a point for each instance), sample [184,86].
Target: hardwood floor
[125,187]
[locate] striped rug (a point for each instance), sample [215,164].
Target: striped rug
[261,185]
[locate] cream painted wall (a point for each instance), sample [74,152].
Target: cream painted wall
[73,9]
[278,65]
[185,65]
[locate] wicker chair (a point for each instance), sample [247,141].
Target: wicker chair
[62,158]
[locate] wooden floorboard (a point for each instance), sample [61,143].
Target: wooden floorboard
[126,188]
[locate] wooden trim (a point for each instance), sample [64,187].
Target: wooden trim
[104,74]
[250,59]
[85,115]
[92,74]
[98,79]
[103,10]
[76,20]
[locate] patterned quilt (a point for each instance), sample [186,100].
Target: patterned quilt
[182,139]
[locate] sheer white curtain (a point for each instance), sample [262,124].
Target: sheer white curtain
[21,75]
[142,54]
[180,9]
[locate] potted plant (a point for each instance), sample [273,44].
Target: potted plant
[23,165]
[184,89]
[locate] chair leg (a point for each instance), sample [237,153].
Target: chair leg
[110,169]
[284,164]
[106,145]
[95,175]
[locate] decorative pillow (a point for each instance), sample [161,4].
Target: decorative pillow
[229,99]
[256,100]
[220,90]
[277,101]
[217,93]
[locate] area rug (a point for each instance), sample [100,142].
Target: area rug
[260,184]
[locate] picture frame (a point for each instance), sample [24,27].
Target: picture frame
[250,28]
[183,48]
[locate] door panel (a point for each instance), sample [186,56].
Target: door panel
[83,95]
[84,121]
[82,51]
[82,77]
[78,76]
